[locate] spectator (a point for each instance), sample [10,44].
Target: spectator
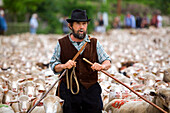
[138,20]
[145,21]
[100,28]
[3,24]
[127,20]
[116,22]
[154,21]
[130,21]
[159,19]
[133,21]
[101,22]
[33,24]
[65,25]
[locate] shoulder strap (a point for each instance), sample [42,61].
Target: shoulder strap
[73,74]
[78,53]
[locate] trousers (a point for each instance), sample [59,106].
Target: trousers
[86,101]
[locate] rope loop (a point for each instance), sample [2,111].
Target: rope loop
[70,86]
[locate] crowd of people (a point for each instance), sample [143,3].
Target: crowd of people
[138,21]
[130,21]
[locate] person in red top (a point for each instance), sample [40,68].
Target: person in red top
[154,20]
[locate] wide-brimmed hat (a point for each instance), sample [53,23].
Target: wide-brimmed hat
[78,15]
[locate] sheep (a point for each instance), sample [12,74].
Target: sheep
[52,104]
[29,89]
[5,109]
[24,104]
[166,77]
[161,99]
[1,95]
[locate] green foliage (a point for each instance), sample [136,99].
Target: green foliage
[50,11]
[162,5]
[18,8]
[47,11]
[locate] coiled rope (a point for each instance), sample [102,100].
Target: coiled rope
[70,84]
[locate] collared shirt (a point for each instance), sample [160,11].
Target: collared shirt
[128,21]
[102,55]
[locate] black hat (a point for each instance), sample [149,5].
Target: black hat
[78,15]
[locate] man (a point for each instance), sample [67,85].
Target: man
[3,24]
[127,20]
[88,98]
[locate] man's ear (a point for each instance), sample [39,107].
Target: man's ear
[69,25]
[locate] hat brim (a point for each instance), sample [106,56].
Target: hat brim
[77,20]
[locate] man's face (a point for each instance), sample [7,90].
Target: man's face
[79,29]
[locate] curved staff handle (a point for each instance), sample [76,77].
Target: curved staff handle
[128,87]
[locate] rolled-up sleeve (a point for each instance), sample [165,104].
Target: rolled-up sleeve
[55,58]
[102,55]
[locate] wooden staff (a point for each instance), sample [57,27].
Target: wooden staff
[127,87]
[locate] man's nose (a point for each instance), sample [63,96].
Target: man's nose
[81,26]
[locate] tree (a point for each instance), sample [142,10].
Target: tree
[19,8]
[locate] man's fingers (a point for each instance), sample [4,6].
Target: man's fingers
[70,64]
[96,66]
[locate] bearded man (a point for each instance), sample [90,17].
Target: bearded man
[87,98]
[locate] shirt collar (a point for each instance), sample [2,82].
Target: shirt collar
[86,39]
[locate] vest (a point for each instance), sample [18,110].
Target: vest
[85,75]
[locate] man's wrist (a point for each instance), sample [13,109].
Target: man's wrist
[59,67]
[62,66]
[103,67]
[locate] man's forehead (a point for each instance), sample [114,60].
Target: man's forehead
[79,22]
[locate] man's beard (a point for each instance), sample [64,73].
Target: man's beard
[78,35]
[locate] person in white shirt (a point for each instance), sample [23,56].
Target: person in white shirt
[33,24]
[159,18]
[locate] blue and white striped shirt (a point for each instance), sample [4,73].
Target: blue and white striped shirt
[102,55]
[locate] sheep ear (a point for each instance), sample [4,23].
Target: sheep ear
[33,98]
[153,93]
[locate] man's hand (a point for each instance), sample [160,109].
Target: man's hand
[97,67]
[104,66]
[69,64]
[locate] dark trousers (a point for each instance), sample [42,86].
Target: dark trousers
[86,101]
